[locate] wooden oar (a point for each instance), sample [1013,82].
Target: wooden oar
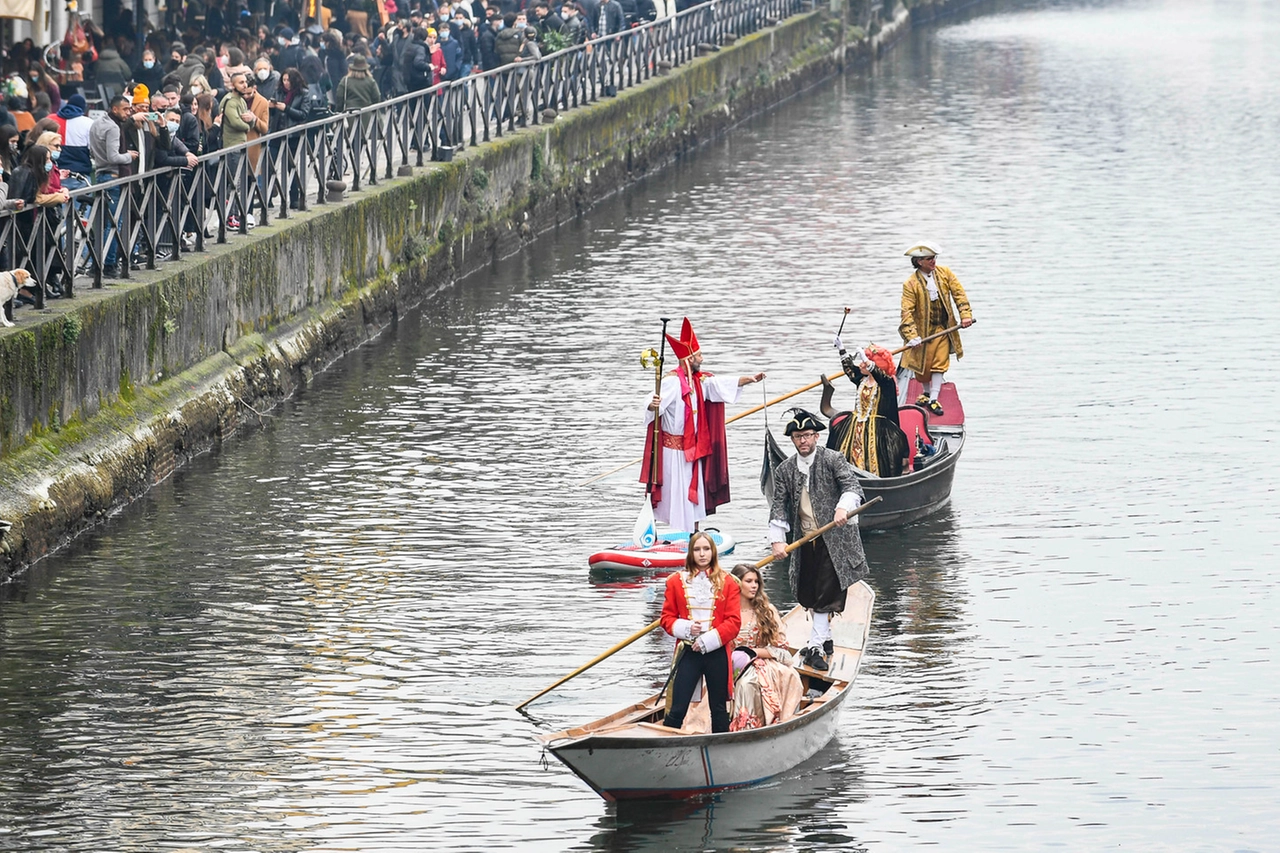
[769,403]
[727,421]
[654,624]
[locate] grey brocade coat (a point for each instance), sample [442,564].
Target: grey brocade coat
[831,476]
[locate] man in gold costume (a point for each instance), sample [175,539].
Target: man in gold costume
[932,301]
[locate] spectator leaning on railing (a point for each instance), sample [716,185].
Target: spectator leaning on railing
[75,143]
[112,159]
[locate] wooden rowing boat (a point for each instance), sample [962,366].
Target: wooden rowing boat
[631,755]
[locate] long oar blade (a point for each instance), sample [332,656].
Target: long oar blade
[773,457]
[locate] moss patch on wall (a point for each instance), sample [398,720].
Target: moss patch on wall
[104,398]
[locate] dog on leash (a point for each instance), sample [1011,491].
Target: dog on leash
[10,282]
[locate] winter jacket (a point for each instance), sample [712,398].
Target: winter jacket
[508,44]
[111,70]
[452,51]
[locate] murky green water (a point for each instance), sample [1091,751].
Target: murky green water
[313,639]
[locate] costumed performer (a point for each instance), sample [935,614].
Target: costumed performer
[692,477]
[869,436]
[701,611]
[932,300]
[815,485]
[768,690]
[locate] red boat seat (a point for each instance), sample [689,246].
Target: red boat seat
[913,419]
[948,399]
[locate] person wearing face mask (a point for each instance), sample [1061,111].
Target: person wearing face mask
[148,71]
[451,51]
[290,52]
[30,183]
[509,38]
[465,36]
[268,79]
[40,83]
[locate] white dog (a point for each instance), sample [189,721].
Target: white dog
[9,284]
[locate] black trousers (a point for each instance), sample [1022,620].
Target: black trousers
[714,666]
[817,586]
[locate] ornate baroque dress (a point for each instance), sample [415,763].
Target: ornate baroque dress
[767,691]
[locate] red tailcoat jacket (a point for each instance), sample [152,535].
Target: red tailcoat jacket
[726,617]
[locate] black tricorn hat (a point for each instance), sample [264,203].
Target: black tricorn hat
[801,420]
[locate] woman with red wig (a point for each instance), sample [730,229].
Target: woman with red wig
[871,438]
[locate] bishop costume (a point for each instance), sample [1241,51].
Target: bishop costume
[692,477]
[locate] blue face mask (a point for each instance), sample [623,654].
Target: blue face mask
[56,153]
[173,127]
[444,36]
[48,165]
[148,63]
[520,25]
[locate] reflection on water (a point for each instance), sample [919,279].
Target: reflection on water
[314,639]
[794,811]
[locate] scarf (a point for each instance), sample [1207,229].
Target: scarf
[697,429]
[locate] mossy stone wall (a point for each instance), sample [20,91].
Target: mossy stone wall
[110,391]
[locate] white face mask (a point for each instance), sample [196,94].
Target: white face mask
[263,74]
[195,90]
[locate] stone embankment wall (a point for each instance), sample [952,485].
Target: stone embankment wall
[104,395]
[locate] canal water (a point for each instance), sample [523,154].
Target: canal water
[312,640]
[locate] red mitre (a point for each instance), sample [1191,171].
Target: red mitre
[688,343]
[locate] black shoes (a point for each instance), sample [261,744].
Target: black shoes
[828,648]
[812,658]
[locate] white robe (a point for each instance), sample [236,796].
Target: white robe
[675,509]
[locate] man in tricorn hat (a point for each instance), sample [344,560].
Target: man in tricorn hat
[692,477]
[812,489]
[932,300]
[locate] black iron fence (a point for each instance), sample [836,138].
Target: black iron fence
[165,213]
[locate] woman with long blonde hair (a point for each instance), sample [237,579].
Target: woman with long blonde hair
[768,690]
[701,610]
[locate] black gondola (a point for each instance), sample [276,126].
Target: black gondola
[925,487]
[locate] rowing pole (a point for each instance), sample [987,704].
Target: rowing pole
[779,399]
[654,624]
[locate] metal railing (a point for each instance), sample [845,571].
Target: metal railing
[148,214]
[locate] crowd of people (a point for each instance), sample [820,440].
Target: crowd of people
[218,75]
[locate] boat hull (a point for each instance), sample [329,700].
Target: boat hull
[702,764]
[913,496]
[628,755]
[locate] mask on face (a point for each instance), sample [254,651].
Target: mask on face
[173,126]
[263,74]
[444,36]
[55,153]
[148,63]
[282,41]
[195,90]
[520,25]
[35,75]
[48,165]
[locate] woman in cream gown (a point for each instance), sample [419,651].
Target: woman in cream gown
[767,690]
